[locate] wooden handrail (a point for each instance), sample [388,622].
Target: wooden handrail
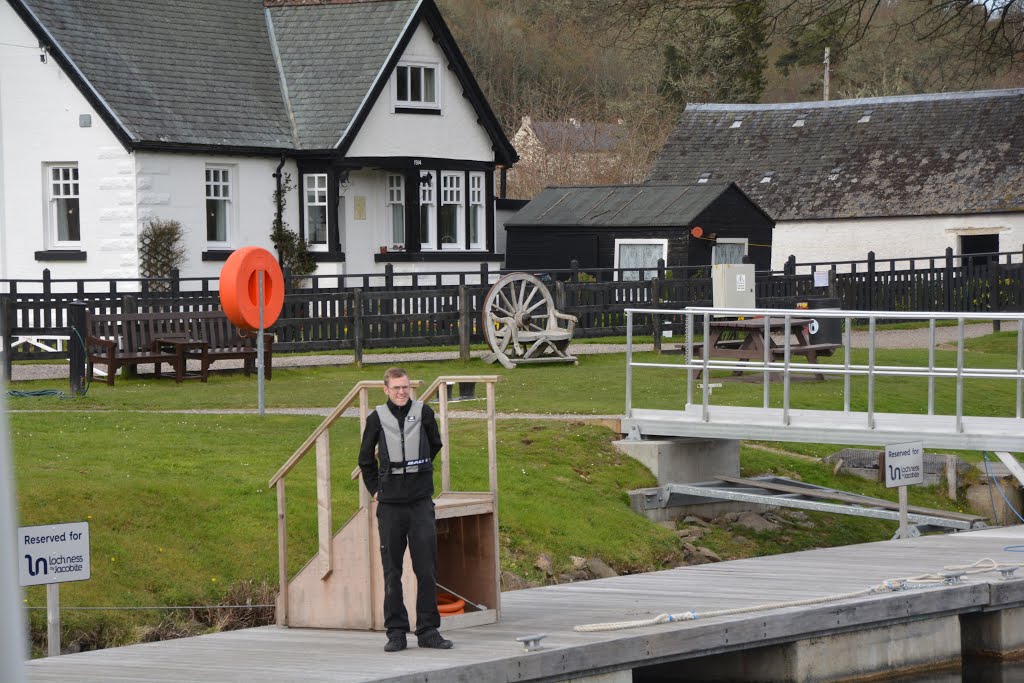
[325,425]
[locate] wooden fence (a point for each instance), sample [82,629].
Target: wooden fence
[390,311]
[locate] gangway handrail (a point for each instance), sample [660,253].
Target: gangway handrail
[320,439]
[767,366]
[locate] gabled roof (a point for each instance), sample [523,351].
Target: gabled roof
[242,75]
[578,136]
[953,153]
[619,206]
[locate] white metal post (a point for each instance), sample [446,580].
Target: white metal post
[52,619]
[13,642]
[629,363]
[904,533]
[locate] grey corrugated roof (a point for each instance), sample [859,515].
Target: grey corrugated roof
[620,206]
[187,71]
[953,153]
[331,56]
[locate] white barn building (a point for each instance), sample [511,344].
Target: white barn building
[901,176]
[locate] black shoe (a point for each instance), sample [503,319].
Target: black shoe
[433,639]
[396,643]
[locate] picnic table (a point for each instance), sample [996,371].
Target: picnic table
[745,340]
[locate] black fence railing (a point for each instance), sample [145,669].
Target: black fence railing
[429,309]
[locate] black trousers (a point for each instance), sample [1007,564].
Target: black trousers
[413,524]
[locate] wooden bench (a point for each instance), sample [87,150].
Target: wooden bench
[809,351]
[126,339]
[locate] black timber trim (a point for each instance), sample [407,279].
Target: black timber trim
[417,110]
[327,256]
[61,255]
[217,254]
[754,204]
[399,164]
[510,204]
[72,71]
[504,152]
[203,148]
[437,256]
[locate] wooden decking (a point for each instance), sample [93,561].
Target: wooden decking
[491,653]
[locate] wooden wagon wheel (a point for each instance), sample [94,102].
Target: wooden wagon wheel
[511,306]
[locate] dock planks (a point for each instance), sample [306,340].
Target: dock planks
[491,653]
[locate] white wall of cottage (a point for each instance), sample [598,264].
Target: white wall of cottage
[173,186]
[455,134]
[852,239]
[39,124]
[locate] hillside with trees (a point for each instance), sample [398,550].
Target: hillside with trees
[641,61]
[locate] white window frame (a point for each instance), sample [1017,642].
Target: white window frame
[453,194]
[67,187]
[394,195]
[477,207]
[428,197]
[318,188]
[215,186]
[408,102]
[640,240]
[729,240]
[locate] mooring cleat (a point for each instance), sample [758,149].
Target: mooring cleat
[531,643]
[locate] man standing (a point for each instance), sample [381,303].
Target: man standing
[400,476]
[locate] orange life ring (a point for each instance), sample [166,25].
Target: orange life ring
[239,288]
[448,604]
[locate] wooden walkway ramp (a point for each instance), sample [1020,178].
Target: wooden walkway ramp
[491,653]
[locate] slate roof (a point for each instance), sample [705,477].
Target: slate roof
[953,153]
[619,206]
[167,73]
[331,56]
[583,136]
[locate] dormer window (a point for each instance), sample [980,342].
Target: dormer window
[767,177]
[704,177]
[415,86]
[866,116]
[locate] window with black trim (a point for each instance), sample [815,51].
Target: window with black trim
[452,220]
[477,211]
[219,206]
[65,225]
[416,86]
[396,209]
[316,210]
[428,210]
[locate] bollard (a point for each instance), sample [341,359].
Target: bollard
[76,346]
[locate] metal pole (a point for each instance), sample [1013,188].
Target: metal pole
[931,366]
[903,513]
[1020,363]
[706,373]
[629,363]
[53,620]
[767,377]
[846,354]
[259,347]
[871,373]
[689,360]
[76,347]
[13,650]
[960,375]
[785,376]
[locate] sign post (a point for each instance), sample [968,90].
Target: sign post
[52,554]
[904,465]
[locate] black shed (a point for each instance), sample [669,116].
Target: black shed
[635,225]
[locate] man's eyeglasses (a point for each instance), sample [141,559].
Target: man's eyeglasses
[404,388]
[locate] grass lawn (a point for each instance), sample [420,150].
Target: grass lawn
[180,514]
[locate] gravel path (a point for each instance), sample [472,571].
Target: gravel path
[886,339]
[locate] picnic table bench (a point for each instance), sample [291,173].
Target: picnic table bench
[172,337]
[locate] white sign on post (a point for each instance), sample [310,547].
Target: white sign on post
[53,553]
[904,464]
[821,278]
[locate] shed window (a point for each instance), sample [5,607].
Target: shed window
[637,259]
[729,250]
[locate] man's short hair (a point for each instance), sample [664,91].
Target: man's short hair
[393,373]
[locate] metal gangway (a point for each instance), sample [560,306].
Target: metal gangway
[957,429]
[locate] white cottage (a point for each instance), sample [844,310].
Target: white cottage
[116,112]
[900,176]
